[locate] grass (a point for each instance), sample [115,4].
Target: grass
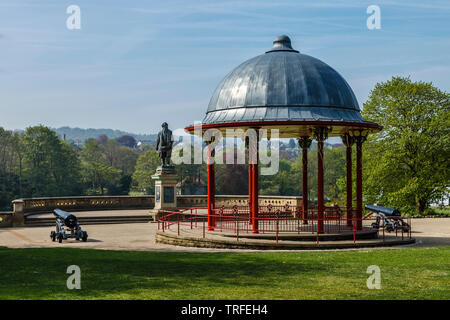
[412,273]
[431,212]
[440,211]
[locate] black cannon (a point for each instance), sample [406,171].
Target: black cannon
[391,218]
[67,220]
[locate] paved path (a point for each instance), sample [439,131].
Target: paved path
[141,236]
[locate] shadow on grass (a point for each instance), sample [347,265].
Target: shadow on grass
[41,273]
[109,270]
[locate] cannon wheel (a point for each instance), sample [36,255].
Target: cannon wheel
[60,238]
[85,236]
[53,235]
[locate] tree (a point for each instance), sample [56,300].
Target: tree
[127,141]
[106,156]
[282,183]
[335,171]
[145,166]
[231,178]
[406,165]
[99,172]
[102,139]
[51,167]
[10,168]
[100,176]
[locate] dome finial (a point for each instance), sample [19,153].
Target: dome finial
[282,43]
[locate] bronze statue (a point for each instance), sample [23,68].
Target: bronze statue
[164,144]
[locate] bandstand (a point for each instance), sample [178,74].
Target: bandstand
[303,98]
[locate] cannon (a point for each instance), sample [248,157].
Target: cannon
[66,221]
[391,217]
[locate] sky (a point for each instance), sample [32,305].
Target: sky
[135,64]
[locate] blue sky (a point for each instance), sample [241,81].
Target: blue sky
[135,64]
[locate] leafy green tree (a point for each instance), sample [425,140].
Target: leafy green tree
[98,172]
[193,178]
[282,183]
[406,165]
[91,151]
[99,158]
[334,171]
[100,176]
[51,166]
[10,168]
[231,179]
[145,167]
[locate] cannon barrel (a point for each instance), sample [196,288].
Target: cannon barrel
[386,211]
[69,219]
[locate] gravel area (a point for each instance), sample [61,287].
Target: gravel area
[141,236]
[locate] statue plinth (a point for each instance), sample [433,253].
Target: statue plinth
[165,176]
[165,181]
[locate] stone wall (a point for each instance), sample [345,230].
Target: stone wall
[40,205]
[30,206]
[6,219]
[187,201]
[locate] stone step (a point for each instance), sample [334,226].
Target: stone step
[43,222]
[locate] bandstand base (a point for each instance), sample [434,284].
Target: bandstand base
[366,234]
[220,242]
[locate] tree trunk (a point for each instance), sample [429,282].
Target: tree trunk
[421,205]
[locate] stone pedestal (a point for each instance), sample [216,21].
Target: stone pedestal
[165,190]
[18,217]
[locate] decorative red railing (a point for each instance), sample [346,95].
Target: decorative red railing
[276,220]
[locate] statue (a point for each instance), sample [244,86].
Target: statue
[164,144]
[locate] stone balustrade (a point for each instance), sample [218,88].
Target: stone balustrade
[30,206]
[39,205]
[187,201]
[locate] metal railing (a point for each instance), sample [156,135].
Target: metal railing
[274,220]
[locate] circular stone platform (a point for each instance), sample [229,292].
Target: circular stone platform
[194,238]
[293,236]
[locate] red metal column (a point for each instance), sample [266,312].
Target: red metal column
[305,143]
[305,185]
[349,186]
[250,194]
[255,197]
[320,205]
[213,197]
[211,191]
[348,142]
[359,183]
[320,134]
[210,196]
[255,201]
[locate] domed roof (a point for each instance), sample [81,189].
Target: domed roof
[281,85]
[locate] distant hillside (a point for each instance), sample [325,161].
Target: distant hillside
[80,135]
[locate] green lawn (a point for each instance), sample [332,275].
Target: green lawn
[411,273]
[441,211]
